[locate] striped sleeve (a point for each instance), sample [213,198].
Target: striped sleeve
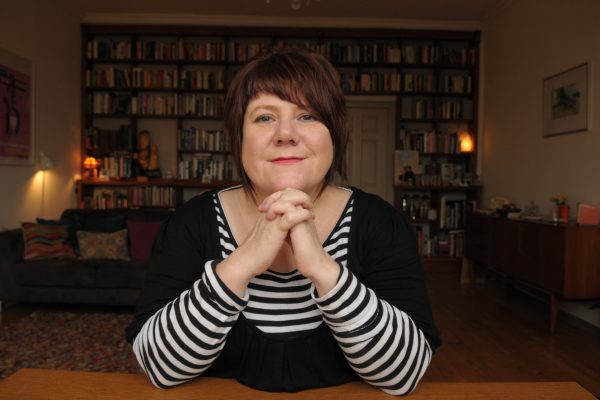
[181,340]
[381,343]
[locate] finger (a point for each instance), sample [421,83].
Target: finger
[279,208]
[295,196]
[288,220]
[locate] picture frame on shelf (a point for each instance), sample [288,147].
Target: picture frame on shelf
[16,109]
[566,101]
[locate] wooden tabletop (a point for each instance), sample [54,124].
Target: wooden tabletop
[28,384]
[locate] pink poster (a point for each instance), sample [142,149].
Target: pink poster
[15,108]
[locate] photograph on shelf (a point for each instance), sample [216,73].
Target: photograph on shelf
[16,109]
[406,167]
[565,102]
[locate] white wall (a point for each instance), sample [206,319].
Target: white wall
[46,32]
[524,43]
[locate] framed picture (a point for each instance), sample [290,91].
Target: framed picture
[16,109]
[566,104]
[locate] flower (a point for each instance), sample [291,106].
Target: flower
[559,200]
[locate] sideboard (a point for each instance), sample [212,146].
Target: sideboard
[561,259]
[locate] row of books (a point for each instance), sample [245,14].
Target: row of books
[429,141]
[202,51]
[182,49]
[136,77]
[194,139]
[155,104]
[452,213]
[458,84]
[429,108]
[207,167]
[241,52]
[201,105]
[450,244]
[202,80]
[107,199]
[438,55]
[370,82]
[450,109]
[421,108]
[150,49]
[153,196]
[99,140]
[117,165]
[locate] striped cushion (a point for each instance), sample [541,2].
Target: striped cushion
[46,241]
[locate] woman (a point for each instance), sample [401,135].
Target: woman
[286,282]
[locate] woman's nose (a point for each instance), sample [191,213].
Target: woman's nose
[286,132]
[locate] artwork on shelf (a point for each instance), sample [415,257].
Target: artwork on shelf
[16,109]
[565,101]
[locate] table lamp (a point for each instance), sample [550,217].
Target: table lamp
[90,164]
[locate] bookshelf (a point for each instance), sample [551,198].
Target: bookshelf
[171,80]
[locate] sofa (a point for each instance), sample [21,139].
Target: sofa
[79,276]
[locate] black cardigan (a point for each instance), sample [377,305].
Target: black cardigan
[382,254]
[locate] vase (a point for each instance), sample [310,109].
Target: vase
[563,212]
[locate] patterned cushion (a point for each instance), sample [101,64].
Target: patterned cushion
[46,241]
[103,245]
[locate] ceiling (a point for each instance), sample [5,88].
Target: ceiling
[432,10]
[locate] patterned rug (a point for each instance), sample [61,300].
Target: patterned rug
[71,341]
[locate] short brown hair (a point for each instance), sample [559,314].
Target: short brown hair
[296,75]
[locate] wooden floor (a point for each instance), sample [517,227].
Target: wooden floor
[491,332]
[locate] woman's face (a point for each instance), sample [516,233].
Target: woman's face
[284,146]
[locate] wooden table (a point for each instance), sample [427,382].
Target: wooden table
[38,384]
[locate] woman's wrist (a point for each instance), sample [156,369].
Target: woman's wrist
[233,274]
[326,276]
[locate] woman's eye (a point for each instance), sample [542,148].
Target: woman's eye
[308,117]
[264,118]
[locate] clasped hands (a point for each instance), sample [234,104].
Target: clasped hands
[285,216]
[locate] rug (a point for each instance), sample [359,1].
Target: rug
[69,341]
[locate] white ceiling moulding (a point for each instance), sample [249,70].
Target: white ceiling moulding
[240,20]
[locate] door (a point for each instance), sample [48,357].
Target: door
[371,147]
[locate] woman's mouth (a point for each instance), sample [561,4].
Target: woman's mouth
[286,160]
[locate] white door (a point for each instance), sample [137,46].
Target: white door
[371,147]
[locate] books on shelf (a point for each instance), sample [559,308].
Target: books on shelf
[428,141]
[99,141]
[153,196]
[448,244]
[207,167]
[202,140]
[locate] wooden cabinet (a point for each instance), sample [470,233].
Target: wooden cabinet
[560,259]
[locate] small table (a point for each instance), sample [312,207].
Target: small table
[35,384]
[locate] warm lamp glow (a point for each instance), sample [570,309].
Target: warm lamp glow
[466,142]
[90,162]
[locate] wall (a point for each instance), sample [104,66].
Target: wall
[48,34]
[524,43]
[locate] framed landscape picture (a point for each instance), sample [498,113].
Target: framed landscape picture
[16,109]
[566,108]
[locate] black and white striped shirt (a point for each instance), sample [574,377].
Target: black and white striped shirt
[380,342]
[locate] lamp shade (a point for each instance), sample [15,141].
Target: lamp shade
[466,142]
[90,163]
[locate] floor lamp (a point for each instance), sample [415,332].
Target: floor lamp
[45,164]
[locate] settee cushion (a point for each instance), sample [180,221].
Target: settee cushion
[141,238]
[46,241]
[90,273]
[110,246]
